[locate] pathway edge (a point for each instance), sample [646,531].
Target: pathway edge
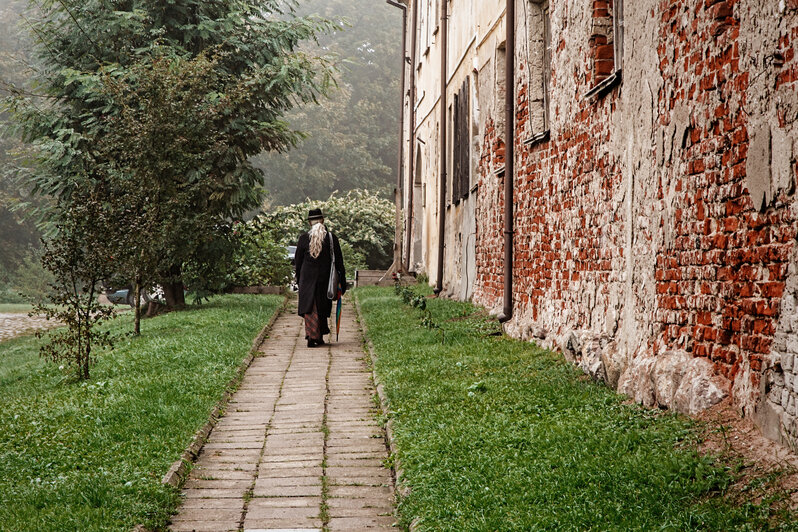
[402,490]
[178,472]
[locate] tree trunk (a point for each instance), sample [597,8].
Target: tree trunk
[87,355]
[173,290]
[137,295]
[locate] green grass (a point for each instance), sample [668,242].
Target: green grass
[498,434]
[90,456]
[14,308]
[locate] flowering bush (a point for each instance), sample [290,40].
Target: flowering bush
[363,222]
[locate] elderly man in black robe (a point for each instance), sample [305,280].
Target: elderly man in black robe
[314,256]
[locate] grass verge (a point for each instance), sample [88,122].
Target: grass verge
[498,434]
[14,308]
[90,456]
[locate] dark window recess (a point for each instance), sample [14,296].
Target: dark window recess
[461,156]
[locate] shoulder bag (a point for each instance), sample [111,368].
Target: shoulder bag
[332,285]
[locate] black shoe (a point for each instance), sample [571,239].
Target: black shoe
[320,342]
[312,343]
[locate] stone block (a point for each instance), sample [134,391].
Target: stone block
[787,362]
[668,371]
[700,388]
[775,395]
[636,381]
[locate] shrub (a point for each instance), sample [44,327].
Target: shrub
[32,281]
[78,261]
[261,256]
[362,221]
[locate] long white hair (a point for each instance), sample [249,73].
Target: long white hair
[317,234]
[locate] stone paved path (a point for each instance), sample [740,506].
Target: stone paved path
[299,447]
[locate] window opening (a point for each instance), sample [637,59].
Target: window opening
[606,46]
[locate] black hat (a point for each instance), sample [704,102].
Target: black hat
[315,214]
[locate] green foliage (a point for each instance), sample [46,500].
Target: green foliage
[78,261]
[9,294]
[362,221]
[155,110]
[17,234]
[90,456]
[30,282]
[207,271]
[261,258]
[498,434]
[352,139]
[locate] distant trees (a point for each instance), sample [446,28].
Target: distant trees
[352,139]
[18,237]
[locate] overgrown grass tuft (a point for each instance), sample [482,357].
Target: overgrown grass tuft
[498,434]
[90,456]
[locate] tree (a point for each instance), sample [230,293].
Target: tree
[161,105]
[19,237]
[78,259]
[352,140]
[261,257]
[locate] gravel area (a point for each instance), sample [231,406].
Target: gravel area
[12,325]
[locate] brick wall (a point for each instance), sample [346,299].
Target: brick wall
[489,283]
[660,217]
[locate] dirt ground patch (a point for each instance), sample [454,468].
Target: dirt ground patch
[765,470]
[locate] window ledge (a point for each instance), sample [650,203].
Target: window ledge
[499,171]
[605,86]
[538,138]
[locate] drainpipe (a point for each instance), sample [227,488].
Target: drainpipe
[411,177]
[509,161]
[443,154]
[397,250]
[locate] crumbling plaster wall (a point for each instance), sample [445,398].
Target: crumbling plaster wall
[656,226]
[771,102]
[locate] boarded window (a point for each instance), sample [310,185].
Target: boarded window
[539,67]
[617,27]
[500,68]
[461,146]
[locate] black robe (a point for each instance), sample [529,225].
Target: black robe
[313,275]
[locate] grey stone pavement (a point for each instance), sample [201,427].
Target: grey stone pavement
[299,447]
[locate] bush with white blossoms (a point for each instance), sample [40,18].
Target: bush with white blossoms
[362,220]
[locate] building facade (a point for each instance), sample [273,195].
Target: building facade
[653,176]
